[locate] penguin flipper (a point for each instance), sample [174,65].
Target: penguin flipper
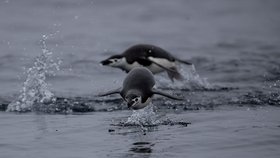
[165,68]
[184,61]
[115,91]
[172,72]
[165,95]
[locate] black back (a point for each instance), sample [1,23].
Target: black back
[141,52]
[140,79]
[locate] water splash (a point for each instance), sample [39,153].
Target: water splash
[143,117]
[147,120]
[35,91]
[192,80]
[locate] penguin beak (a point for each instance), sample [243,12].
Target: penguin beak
[105,62]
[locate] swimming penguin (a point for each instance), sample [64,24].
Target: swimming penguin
[152,57]
[138,89]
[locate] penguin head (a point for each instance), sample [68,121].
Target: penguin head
[133,100]
[114,61]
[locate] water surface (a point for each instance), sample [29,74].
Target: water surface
[49,69]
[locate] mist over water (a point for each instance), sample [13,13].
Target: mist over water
[50,73]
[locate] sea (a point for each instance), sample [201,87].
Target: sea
[50,76]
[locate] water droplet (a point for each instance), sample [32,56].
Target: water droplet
[35,91]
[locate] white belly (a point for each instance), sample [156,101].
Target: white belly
[153,67]
[129,67]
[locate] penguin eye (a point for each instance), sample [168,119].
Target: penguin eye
[115,60]
[136,99]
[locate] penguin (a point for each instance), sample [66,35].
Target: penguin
[152,57]
[138,89]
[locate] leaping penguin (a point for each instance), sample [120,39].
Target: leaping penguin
[138,89]
[152,57]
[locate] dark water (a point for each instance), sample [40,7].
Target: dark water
[49,67]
